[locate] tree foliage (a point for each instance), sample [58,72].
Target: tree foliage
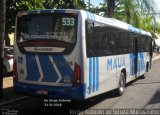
[139,13]
[134,12]
[111,4]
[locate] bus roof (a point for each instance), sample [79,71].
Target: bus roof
[116,23]
[109,21]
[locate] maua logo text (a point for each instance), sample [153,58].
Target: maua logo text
[115,63]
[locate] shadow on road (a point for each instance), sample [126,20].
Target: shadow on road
[73,107]
[8,95]
[155,99]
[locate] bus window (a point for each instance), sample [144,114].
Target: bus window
[62,27]
[47,30]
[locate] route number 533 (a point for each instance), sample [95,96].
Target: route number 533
[68,21]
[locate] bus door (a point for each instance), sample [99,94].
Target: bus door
[135,55]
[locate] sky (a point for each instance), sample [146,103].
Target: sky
[96,2]
[158,9]
[158,3]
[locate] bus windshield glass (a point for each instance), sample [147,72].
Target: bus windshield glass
[61,27]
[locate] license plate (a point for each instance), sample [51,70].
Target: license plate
[42,91]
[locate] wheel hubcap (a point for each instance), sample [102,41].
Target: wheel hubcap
[121,85]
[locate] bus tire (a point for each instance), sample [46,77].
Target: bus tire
[121,85]
[147,67]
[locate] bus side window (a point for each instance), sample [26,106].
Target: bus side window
[106,45]
[89,38]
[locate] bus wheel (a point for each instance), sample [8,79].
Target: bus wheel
[121,85]
[147,67]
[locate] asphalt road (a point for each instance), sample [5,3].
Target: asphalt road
[141,94]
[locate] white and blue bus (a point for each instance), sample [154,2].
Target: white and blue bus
[76,54]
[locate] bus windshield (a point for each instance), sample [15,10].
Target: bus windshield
[61,27]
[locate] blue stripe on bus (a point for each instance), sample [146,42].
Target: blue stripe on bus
[93,17]
[84,90]
[90,16]
[90,72]
[97,74]
[130,28]
[55,11]
[47,69]
[59,11]
[32,69]
[142,61]
[131,63]
[46,11]
[94,74]
[138,65]
[133,29]
[32,12]
[63,66]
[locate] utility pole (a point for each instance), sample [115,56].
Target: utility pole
[89,5]
[2,35]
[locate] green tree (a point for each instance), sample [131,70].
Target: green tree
[111,4]
[100,10]
[12,9]
[108,8]
[147,6]
[126,10]
[32,4]
[147,9]
[72,4]
[49,4]
[132,12]
[146,23]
